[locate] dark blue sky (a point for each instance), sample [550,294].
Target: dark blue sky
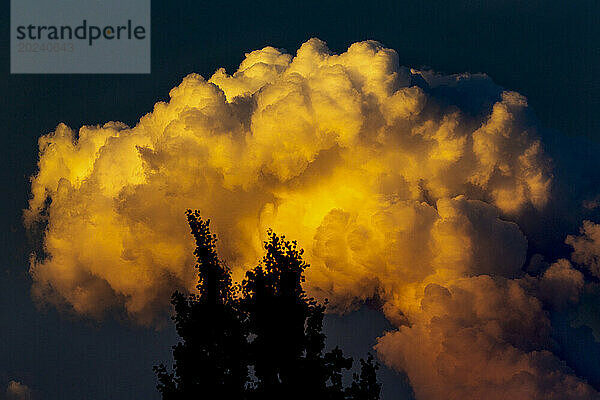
[547,50]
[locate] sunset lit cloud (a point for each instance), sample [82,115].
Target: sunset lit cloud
[401,185]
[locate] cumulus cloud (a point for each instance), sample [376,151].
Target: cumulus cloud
[586,247]
[400,184]
[285,142]
[17,391]
[481,337]
[561,284]
[586,253]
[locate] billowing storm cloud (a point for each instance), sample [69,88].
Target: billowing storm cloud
[400,184]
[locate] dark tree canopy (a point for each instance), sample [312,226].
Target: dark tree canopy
[261,339]
[210,356]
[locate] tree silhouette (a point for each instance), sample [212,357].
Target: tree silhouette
[261,339]
[209,359]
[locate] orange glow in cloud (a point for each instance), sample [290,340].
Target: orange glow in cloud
[392,190]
